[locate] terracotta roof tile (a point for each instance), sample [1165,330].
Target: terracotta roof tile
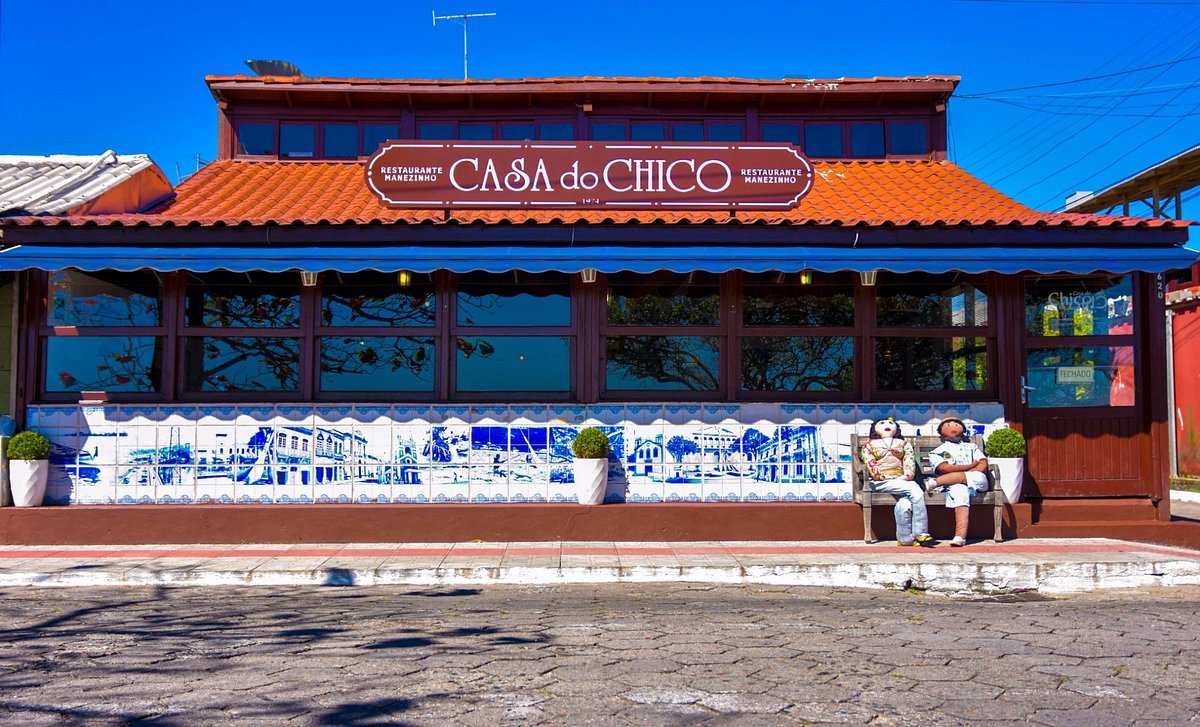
[871,193]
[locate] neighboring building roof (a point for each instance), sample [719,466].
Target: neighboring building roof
[1163,181]
[76,185]
[868,193]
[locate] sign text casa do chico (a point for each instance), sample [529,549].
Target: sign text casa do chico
[589,175]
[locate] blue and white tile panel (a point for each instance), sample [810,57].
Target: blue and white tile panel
[294,454]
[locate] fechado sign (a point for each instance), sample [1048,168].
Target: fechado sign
[589,175]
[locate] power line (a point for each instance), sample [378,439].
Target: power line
[1068,112]
[1086,78]
[1136,91]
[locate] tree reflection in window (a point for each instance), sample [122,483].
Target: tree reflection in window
[378,299]
[103,363]
[258,363]
[923,300]
[664,299]
[514,299]
[104,298]
[798,363]
[663,363]
[782,299]
[376,363]
[931,364]
[243,300]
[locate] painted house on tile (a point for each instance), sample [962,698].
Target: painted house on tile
[400,294]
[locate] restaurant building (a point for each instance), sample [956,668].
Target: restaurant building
[385,309]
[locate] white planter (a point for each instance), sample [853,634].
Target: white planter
[27,477]
[591,480]
[1012,476]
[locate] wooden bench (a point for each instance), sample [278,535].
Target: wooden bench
[922,445]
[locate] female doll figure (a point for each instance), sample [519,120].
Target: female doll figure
[892,467]
[961,468]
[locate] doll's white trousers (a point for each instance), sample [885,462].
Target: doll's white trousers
[911,516]
[960,495]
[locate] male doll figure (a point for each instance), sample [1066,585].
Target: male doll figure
[961,468]
[892,466]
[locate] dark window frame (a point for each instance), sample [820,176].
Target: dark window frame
[587,330]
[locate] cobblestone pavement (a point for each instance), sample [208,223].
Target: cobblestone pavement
[620,654]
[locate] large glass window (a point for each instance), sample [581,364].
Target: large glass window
[785,132]
[797,299]
[931,364]
[104,363]
[512,332]
[1079,306]
[377,363]
[797,363]
[917,300]
[934,333]
[263,306]
[378,299]
[1072,376]
[608,131]
[652,341]
[104,298]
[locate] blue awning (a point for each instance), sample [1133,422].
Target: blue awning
[605,259]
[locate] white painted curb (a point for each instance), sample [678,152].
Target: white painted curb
[939,578]
[1185,496]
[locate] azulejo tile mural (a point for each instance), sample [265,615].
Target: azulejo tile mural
[295,455]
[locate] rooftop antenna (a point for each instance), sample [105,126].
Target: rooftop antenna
[461,20]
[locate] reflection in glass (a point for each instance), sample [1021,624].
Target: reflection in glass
[375,299]
[241,364]
[664,299]
[1073,376]
[376,363]
[778,299]
[931,364]
[435,131]
[918,300]
[662,363]
[243,300]
[798,363]
[475,131]
[1093,306]
[514,299]
[103,298]
[513,363]
[103,363]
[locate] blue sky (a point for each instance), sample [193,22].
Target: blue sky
[82,77]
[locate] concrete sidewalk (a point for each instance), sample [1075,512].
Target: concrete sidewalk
[1046,565]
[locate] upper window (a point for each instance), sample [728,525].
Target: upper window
[514,299]
[297,141]
[243,300]
[664,299]
[256,139]
[797,299]
[378,300]
[341,141]
[908,137]
[500,130]
[785,132]
[375,134]
[866,139]
[823,141]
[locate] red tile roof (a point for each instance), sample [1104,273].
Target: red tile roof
[871,193]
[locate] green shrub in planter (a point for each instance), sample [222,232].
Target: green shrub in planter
[28,445]
[590,443]
[1005,443]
